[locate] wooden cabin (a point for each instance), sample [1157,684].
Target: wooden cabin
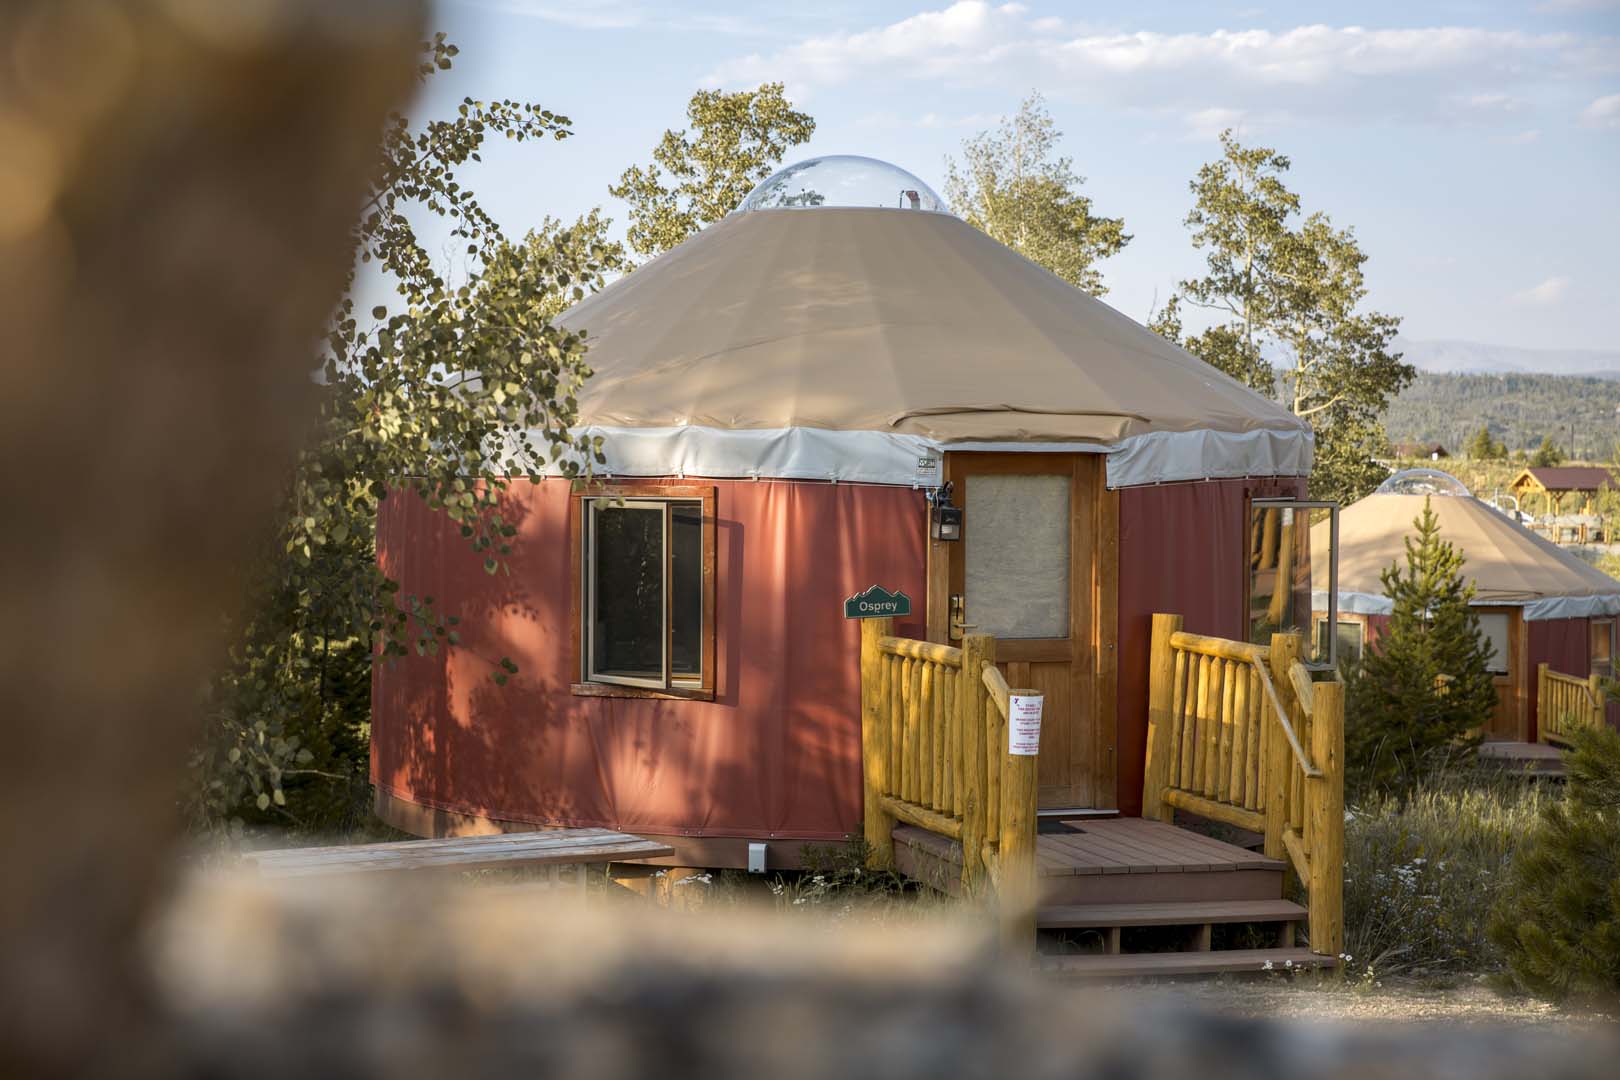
[838,387]
[1538,604]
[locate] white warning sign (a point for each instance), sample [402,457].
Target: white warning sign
[1024,724]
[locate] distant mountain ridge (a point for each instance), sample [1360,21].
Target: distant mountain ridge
[1473,358]
[1581,413]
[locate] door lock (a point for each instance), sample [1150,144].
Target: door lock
[958,614]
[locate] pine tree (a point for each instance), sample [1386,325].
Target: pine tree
[1484,447]
[1558,920]
[1426,682]
[1547,454]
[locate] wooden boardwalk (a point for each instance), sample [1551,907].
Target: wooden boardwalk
[545,847]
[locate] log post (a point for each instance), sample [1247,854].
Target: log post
[1161,722]
[977,651]
[1325,820]
[1285,649]
[1542,710]
[1017,895]
[1594,684]
[875,720]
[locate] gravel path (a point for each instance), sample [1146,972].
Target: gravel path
[1392,1003]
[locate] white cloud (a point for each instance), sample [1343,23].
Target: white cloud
[1546,294]
[621,15]
[1432,75]
[605,15]
[1521,138]
[1209,123]
[1603,113]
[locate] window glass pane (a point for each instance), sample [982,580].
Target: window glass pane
[1350,641]
[627,610]
[1280,561]
[1603,648]
[1493,627]
[686,589]
[1016,579]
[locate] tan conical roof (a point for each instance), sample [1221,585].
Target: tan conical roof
[911,327]
[1508,563]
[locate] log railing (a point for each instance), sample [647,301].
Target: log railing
[1240,734]
[1565,704]
[934,753]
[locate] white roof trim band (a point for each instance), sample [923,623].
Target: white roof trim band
[881,457]
[1548,607]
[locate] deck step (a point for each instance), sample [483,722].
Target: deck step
[1153,965]
[1184,913]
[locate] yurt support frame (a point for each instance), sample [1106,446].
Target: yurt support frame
[1238,733]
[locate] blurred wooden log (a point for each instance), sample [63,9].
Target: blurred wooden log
[176,189]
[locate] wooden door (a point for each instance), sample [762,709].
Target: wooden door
[1036,567]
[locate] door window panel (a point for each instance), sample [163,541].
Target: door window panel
[1016,568]
[1493,627]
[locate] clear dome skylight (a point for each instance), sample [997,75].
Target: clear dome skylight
[1423,482]
[842,180]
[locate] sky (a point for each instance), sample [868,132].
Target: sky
[1473,147]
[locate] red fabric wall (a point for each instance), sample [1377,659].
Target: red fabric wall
[777,754]
[1181,551]
[1561,644]
[1377,627]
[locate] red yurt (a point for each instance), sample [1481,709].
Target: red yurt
[839,386]
[1537,602]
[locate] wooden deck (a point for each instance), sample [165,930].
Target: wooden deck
[1138,846]
[1113,861]
[1537,758]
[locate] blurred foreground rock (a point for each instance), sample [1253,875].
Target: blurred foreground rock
[406,980]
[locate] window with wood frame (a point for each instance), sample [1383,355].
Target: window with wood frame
[1601,634]
[1495,628]
[644,590]
[1352,639]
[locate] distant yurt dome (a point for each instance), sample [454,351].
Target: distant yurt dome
[842,180]
[1423,482]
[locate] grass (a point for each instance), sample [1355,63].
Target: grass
[1421,873]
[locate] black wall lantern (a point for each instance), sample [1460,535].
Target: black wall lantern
[944,520]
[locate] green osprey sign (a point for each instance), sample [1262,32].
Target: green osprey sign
[877,603]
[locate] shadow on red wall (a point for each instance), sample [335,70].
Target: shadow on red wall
[776,755]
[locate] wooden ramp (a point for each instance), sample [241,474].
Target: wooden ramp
[1127,897]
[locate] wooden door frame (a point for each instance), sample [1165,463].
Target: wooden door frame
[1094,525]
